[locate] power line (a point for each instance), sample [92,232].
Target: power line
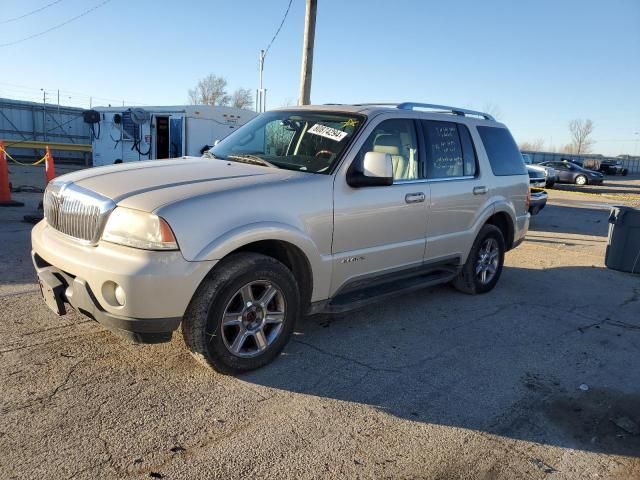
[279,28]
[30,13]
[55,27]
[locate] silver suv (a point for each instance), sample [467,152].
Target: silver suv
[302,210]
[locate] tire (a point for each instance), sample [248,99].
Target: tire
[581,180]
[550,184]
[467,280]
[625,172]
[224,295]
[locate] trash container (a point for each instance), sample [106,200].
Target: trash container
[623,245]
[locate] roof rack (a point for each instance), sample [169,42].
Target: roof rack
[442,108]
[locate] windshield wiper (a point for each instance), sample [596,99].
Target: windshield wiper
[252,159]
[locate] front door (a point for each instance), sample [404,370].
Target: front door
[381,229]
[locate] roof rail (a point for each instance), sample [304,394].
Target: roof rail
[413,105]
[455,110]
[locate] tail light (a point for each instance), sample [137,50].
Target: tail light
[527,201]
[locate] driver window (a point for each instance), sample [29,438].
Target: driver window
[397,138]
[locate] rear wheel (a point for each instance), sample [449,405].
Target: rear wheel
[243,313]
[581,180]
[483,267]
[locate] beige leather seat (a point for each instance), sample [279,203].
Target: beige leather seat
[403,169]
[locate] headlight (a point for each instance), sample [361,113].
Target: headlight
[137,229]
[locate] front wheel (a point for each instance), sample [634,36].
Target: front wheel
[581,180]
[483,267]
[243,313]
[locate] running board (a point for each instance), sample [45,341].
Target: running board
[356,299]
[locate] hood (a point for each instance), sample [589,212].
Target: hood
[148,185]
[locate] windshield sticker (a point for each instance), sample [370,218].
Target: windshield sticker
[327,132]
[352,122]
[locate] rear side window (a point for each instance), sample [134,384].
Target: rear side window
[450,151]
[502,151]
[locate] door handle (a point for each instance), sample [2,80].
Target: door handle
[414,197]
[480,190]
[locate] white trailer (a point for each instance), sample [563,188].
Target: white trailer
[127,134]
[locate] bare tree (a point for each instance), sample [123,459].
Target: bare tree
[581,141]
[492,109]
[211,90]
[536,145]
[242,98]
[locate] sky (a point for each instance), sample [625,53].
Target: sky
[536,64]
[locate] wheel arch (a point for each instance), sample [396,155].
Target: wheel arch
[505,223]
[287,245]
[290,256]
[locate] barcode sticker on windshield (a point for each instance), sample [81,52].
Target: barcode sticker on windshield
[327,132]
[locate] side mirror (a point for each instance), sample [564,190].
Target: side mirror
[377,170]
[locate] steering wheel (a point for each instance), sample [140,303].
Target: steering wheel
[323,152]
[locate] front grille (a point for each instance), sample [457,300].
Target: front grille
[76,211]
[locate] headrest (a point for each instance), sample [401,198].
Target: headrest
[387,143]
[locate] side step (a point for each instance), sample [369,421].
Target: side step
[355,299]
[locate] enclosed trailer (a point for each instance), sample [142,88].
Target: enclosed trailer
[127,134]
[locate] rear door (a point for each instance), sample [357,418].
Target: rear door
[459,191]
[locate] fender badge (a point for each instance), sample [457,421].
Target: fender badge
[351,259]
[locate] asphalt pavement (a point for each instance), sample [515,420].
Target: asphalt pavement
[538,379]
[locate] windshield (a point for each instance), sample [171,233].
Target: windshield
[294,140]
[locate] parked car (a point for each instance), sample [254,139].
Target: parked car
[550,173]
[606,166]
[537,178]
[300,211]
[538,200]
[569,172]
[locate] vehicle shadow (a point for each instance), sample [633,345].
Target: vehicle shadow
[574,220]
[508,363]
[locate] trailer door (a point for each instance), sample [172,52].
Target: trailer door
[176,136]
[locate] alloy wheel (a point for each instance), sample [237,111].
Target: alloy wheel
[487,262]
[253,318]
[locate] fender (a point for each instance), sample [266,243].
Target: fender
[498,206]
[255,232]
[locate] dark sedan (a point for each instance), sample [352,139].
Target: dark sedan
[569,172]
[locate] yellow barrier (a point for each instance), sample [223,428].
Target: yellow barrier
[64,147]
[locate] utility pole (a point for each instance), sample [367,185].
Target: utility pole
[44,112]
[307,52]
[261,94]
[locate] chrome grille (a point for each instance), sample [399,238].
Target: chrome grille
[76,211]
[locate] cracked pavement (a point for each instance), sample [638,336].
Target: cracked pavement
[435,384]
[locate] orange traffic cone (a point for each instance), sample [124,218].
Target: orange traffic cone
[49,168]
[5,189]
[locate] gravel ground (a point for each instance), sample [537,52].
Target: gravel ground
[435,384]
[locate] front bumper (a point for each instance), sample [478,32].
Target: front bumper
[64,289]
[158,286]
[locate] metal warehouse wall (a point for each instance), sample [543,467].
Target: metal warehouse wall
[20,120]
[633,164]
